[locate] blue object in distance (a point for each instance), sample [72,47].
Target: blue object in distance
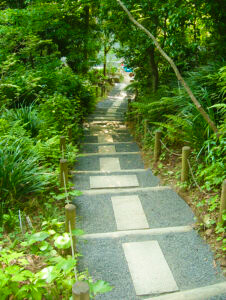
[128,69]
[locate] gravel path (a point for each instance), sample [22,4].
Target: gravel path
[164,259]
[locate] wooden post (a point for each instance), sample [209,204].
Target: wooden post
[70,215]
[80,291]
[157,149]
[185,167]
[102,90]
[129,108]
[223,201]
[97,94]
[70,133]
[145,128]
[62,145]
[129,105]
[63,172]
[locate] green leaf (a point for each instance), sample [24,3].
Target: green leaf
[100,287]
[12,269]
[48,274]
[44,246]
[77,232]
[18,277]
[40,236]
[63,241]
[66,264]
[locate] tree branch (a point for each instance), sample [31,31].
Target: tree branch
[171,62]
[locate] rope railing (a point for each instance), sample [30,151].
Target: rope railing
[72,249]
[193,177]
[157,152]
[80,290]
[171,152]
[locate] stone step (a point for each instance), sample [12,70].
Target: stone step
[108,154]
[124,191]
[135,233]
[201,293]
[160,208]
[145,179]
[148,268]
[91,162]
[107,172]
[106,114]
[101,122]
[107,138]
[113,181]
[114,143]
[105,118]
[103,110]
[188,258]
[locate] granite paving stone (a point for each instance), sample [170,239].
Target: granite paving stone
[113,181]
[129,213]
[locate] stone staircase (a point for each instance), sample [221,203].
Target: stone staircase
[139,235]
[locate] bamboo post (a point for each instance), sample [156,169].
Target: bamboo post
[185,167]
[63,144]
[63,172]
[223,201]
[70,215]
[80,291]
[157,148]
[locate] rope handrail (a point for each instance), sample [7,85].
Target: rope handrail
[193,177]
[173,153]
[69,223]
[176,154]
[72,250]
[189,164]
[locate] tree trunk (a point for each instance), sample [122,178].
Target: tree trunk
[154,69]
[174,67]
[105,60]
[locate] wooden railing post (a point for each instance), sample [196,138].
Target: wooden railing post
[70,134]
[70,215]
[80,291]
[63,145]
[223,201]
[129,105]
[157,148]
[63,172]
[185,167]
[145,128]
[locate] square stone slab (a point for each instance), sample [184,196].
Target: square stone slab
[105,139]
[129,213]
[114,181]
[148,268]
[109,164]
[106,149]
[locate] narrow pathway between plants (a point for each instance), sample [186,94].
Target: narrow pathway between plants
[139,235]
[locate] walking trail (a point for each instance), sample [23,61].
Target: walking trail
[139,235]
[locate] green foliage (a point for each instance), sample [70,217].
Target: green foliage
[18,164]
[27,117]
